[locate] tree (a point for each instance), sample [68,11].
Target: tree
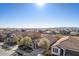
[27,40]
[44,43]
[10,41]
[19,40]
[24,40]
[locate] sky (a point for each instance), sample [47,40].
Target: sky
[32,15]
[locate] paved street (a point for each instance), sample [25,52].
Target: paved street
[4,52]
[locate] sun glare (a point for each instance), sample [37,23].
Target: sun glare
[40,4]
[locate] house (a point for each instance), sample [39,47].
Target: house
[73,33]
[34,35]
[55,50]
[64,32]
[49,32]
[67,46]
[2,37]
[52,39]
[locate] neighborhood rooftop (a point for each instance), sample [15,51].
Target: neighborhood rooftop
[72,43]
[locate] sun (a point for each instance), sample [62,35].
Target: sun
[40,4]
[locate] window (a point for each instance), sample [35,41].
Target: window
[55,50]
